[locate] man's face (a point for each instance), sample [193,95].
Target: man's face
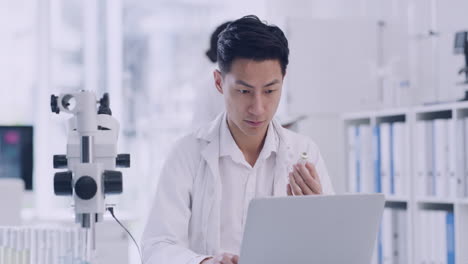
[252,91]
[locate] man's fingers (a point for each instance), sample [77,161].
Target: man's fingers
[227,258]
[296,190]
[309,180]
[311,168]
[288,190]
[314,185]
[299,175]
[224,258]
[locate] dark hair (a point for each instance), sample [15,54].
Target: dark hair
[250,38]
[212,53]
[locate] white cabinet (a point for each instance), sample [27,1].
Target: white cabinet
[419,158]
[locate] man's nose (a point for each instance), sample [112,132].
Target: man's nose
[257,105]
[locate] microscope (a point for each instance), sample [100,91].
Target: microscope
[91,158]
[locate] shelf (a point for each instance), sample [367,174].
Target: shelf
[432,200]
[355,116]
[415,206]
[391,112]
[396,199]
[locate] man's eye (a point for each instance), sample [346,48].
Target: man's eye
[243,91]
[269,91]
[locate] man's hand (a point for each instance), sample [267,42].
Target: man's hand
[304,180]
[224,258]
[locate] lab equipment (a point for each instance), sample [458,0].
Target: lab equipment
[16,153]
[43,245]
[461,47]
[304,228]
[303,158]
[91,157]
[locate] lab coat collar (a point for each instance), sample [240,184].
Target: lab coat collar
[211,131]
[228,146]
[213,189]
[211,152]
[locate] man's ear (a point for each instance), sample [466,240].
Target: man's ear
[218,78]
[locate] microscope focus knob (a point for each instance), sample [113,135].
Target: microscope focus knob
[112,182]
[63,183]
[123,160]
[60,161]
[85,187]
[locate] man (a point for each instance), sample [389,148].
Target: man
[211,175]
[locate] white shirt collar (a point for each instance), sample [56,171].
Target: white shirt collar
[228,146]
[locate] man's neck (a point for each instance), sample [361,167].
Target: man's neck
[250,146]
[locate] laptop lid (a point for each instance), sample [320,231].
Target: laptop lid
[331,229]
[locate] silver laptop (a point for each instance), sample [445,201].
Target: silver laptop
[326,229]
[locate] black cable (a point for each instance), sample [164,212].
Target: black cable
[111,210]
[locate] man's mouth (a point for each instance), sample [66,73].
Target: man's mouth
[254,123]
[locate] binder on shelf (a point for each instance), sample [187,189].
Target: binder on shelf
[366,162]
[352,157]
[402,237]
[436,237]
[380,244]
[387,237]
[440,158]
[460,154]
[399,158]
[465,178]
[430,158]
[442,241]
[395,237]
[420,158]
[432,230]
[423,238]
[450,232]
[391,170]
[385,157]
[377,159]
[358,159]
[452,159]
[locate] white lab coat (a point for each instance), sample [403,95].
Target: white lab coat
[184,223]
